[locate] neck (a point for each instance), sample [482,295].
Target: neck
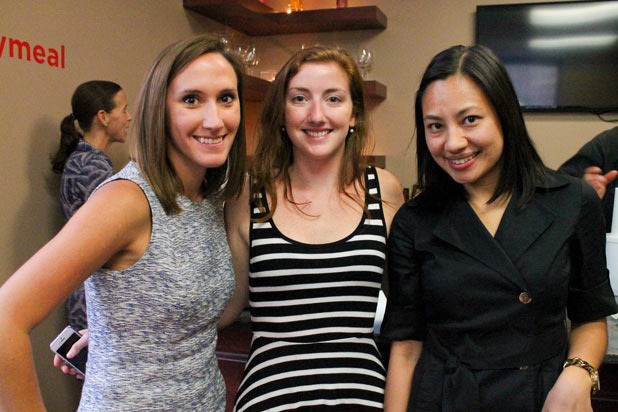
[191,178]
[98,139]
[478,198]
[322,175]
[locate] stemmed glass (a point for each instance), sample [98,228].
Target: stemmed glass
[364,60]
[251,58]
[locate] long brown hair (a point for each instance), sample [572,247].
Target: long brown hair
[273,154]
[152,132]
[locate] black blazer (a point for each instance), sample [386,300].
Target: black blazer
[498,302]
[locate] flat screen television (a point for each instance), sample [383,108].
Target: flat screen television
[561,56]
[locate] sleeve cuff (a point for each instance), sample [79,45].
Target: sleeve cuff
[403,323]
[591,304]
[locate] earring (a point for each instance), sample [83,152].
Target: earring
[351,131]
[283,129]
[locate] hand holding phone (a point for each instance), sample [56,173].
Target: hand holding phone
[70,359]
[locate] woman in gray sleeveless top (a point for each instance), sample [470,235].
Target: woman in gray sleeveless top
[151,245]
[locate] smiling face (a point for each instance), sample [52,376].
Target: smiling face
[118,119]
[463,132]
[318,110]
[203,114]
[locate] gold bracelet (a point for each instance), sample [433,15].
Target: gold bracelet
[594,373]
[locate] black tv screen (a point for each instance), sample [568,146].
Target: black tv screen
[561,56]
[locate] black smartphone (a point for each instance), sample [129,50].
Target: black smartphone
[62,344]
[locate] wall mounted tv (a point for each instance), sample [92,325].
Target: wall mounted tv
[561,56]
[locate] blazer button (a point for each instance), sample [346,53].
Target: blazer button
[525,298]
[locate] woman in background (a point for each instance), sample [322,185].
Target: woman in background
[311,239]
[151,243]
[486,261]
[100,108]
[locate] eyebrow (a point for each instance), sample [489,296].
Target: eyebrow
[198,91]
[459,113]
[304,89]
[466,109]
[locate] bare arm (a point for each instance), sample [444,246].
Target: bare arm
[403,359]
[571,392]
[108,228]
[392,195]
[237,217]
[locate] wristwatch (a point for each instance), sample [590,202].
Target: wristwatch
[594,373]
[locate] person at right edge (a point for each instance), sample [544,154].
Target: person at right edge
[597,163]
[486,262]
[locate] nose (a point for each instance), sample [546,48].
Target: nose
[211,117]
[129,117]
[316,113]
[456,140]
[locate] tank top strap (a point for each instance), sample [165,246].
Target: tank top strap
[373,198]
[259,205]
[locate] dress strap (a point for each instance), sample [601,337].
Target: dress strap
[373,197]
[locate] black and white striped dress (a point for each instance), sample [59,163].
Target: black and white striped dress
[312,312]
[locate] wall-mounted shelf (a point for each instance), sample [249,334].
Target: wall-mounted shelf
[375,90]
[254,89]
[256,19]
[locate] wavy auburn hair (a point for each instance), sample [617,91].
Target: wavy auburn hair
[273,154]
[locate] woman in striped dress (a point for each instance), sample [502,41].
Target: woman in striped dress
[311,237]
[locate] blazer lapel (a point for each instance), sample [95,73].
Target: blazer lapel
[521,227]
[462,228]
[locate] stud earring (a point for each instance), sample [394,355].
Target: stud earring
[351,131]
[283,129]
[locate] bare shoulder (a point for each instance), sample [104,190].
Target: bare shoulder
[392,195]
[237,211]
[119,207]
[390,187]
[121,197]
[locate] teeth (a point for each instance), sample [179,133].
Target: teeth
[208,140]
[464,160]
[317,134]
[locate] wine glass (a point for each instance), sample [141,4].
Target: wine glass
[225,38]
[364,60]
[251,58]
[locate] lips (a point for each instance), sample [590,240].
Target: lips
[317,133]
[463,160]
[208,140]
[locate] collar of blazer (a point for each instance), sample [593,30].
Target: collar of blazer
[519,228]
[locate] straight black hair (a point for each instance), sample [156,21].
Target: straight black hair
[521,167]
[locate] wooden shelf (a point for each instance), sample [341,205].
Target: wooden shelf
[254,89]
[375,90]
[257,19]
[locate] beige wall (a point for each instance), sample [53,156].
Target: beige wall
[117,40]
[417,30]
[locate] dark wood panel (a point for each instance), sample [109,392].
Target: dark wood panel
[375,90]
[233,345]
[254,88]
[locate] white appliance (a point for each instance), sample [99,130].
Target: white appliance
[611,248]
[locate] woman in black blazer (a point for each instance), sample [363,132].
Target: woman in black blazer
[487,261]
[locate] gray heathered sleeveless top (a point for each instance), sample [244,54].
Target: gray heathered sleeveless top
[153,326]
